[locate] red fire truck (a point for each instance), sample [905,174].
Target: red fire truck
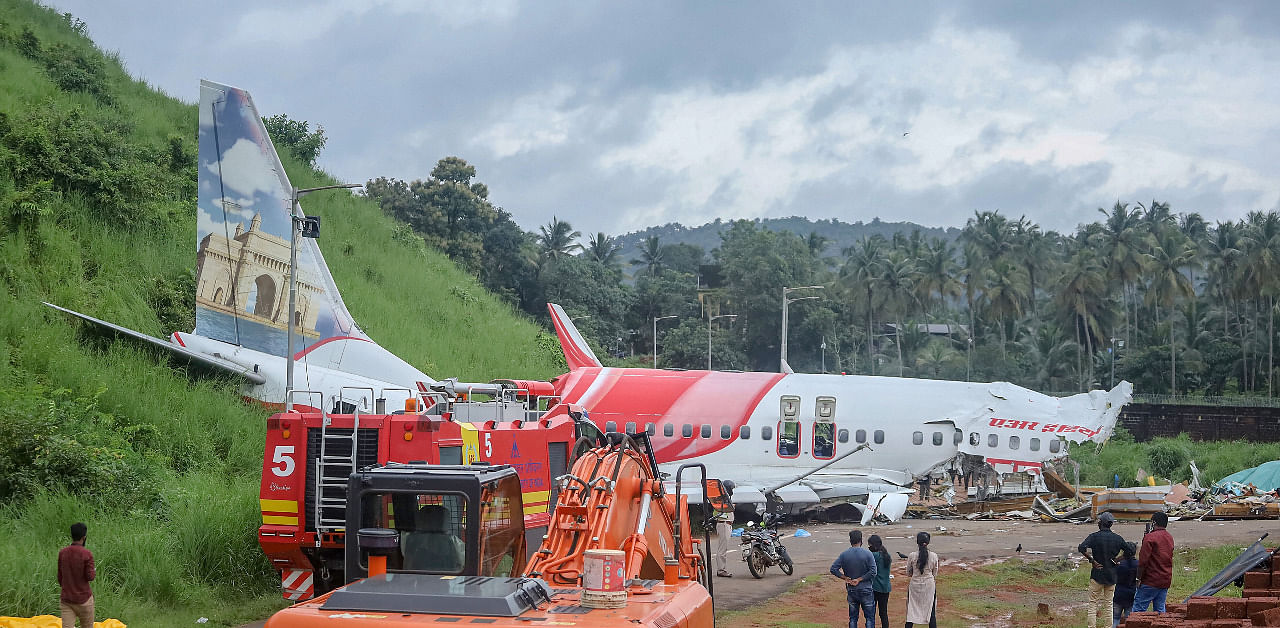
[310,454]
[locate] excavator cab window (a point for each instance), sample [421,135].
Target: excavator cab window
[431,529]
[501,540]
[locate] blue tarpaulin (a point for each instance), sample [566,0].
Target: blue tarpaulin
[1266,477]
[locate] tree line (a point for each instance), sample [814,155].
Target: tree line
[1166,300]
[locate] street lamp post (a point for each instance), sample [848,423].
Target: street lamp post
[785,302]
[1116,343]
[729,316]
[296,223]
[655,337]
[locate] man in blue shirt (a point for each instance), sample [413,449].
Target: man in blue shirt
[857,567]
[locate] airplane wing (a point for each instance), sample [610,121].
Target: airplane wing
[178,351]
[576,350]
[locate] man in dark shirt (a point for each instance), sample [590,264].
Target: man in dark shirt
[857,567]
[1155,566]
[75,571]
[1102,548]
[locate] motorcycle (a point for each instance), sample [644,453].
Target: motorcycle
[761,548]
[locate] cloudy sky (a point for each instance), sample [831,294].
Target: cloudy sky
[621,115]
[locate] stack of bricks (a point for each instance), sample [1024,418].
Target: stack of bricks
[1258,606]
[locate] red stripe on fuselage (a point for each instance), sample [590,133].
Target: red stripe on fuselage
[646,396]
[310,348]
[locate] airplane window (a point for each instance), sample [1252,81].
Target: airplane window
[1054,446]
[823,441]
[611,426]
[744,432]
[860,436]
[725,431]
[917,438]
[937,438]
[649,429]
[1013,442]
[959,437]
[766,432]
[843,436]
[668,430]
[879,437]
[789,439]
[974,439]
[631,427]
[706,431]
[993,440]
[686,430]
[1035,444]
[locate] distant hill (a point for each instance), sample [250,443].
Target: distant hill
[842,234]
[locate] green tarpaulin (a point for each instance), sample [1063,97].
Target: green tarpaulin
[1265,476]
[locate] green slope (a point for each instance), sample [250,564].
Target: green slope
[97,213]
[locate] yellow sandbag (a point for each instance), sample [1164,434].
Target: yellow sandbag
[51,621]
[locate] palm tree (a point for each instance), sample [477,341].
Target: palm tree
[604,250]
[1262,265]
[1170,253]
[1082,290]
[937,267]
[650,255]
[860,273]
[1123,243]
[971,269]
[1005,293]
[897,279]
[558,239]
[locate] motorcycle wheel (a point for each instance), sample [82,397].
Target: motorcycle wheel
[784,563]
[757,563]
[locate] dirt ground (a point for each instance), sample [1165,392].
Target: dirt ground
[962,543]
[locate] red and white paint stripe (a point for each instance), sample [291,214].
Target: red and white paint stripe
[297,584]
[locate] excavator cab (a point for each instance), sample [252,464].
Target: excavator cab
[423,520]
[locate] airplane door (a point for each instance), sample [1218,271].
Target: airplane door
[789,427]
[824,429]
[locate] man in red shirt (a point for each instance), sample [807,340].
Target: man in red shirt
[75,570]
[1155,566]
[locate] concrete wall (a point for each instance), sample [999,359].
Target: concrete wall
[1149,420]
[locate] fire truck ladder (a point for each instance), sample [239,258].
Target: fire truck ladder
[334,464]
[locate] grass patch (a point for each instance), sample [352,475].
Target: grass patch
[1166,458]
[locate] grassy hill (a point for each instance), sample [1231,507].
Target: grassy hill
[97,213]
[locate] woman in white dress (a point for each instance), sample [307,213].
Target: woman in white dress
[922,598]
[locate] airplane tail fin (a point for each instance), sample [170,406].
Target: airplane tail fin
[576,351]
[242,234]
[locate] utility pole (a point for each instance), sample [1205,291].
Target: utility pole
[307,227]
[785,302]
[655,337]
[709,319]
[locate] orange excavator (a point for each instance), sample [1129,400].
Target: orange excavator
[445,544]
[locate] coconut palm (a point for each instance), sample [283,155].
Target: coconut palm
[1082,291]
[558,239]
[604,250]
[859,274]
[1262,266]
[650,255]
[1123,242]
[1005,294]
[937,274]
[1170,253]
[897,279]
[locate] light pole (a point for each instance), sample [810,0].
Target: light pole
[785,302]
[296,224]
[655,337]
[729,316]
[1116,343]
[824,355]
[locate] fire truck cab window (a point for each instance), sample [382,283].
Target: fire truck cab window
[744,432]
[878,436]
[993,440]
[937,438]
[842,436]
[499,538]
[725,432]
[788,439]
[431,526]
[917,438]
[1035,444]
[631,427]
[686,431]
[1055,446]
[766,432]
[668,430]
[860,436]
[611,426]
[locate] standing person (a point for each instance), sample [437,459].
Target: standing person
[922,591]
[880,585]
[857,567]
[1102,548]
[75,571]
[1155,566]
[724,530]
[1126,572]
